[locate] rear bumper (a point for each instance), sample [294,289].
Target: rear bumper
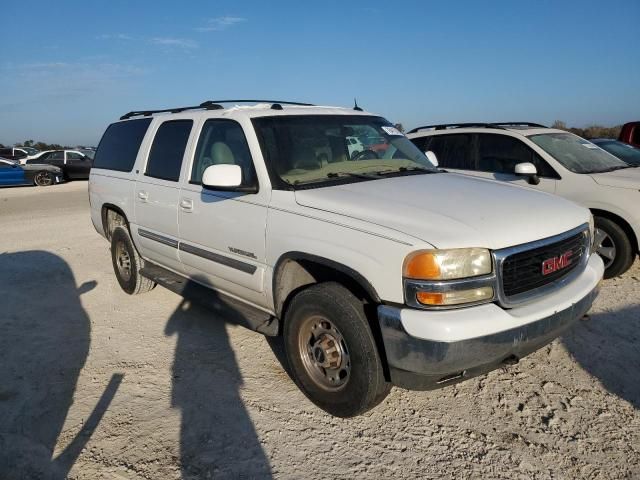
[427,350]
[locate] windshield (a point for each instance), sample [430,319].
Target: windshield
[576,153]
[88,153]
[30,150]
[317,149]
[623,151]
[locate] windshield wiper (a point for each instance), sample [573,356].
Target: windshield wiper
[349,174]
[406,169]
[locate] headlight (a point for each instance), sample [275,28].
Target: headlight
[449,278]
[447,264]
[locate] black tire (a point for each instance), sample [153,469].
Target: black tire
[614,246]
[43,179]
[359,383]
[127,263]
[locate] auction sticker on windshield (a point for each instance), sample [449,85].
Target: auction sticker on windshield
[392,131]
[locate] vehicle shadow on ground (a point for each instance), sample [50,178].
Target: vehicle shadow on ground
[44,342]
[608,347]
[217,436]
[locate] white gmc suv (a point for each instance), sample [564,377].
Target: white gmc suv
[374,268]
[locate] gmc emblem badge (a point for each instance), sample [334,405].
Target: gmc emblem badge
[556,263]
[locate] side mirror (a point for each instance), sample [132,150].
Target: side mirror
[226,177]
[432,158]
[528,169]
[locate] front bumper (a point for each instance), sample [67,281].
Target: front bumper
[427,349]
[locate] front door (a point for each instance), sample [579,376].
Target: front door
[222,233]
[157,193]
[77,165]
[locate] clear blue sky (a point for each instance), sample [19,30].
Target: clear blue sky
[68,68]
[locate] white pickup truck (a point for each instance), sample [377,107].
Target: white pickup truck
[375,269]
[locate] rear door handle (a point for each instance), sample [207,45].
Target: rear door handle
[186,204]
[142,195]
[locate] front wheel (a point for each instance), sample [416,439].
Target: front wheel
[613,245]
[331,351]
[43,179]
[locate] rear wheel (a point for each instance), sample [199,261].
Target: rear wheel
[331,351]
[43,179]
[127,263]
[614,247]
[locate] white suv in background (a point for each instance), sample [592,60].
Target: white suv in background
[374,270]
[553,161]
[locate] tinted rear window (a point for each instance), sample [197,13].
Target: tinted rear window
[120,144]
[167,150]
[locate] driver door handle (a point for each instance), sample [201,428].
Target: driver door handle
[186,204]
[142,195]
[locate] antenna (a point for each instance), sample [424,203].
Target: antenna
[355,105]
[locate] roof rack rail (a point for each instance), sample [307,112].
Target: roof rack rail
[445,126]
[519,124]
[210,105]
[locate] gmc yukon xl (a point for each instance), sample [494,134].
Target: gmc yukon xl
[374,268]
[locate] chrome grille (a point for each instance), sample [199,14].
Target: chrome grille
[521,268]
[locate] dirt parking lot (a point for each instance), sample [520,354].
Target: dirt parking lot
[98,384]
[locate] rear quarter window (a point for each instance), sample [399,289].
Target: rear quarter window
[120,143]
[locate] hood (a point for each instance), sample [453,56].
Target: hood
[451,211]
[625,178]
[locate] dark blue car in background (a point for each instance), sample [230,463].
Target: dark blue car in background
[12,173]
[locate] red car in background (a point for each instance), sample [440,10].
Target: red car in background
[630,134]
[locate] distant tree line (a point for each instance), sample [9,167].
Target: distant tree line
[592,131]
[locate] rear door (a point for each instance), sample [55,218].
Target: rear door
[222,233]
[157,194]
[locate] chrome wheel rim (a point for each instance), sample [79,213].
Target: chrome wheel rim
[43,179]
[324,353]
[123,261]
[605,247]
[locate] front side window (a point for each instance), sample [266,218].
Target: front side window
[501,153]
[59,155]
[167,150]
[577,154]
[309,151]
[74,156]
[222,142]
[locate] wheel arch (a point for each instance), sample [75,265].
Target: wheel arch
[110,222]
[305,269]
[626,226]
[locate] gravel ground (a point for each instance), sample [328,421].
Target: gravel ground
[97,384]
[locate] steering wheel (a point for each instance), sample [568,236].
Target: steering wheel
[365,155]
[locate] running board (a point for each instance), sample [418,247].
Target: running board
[229,309]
